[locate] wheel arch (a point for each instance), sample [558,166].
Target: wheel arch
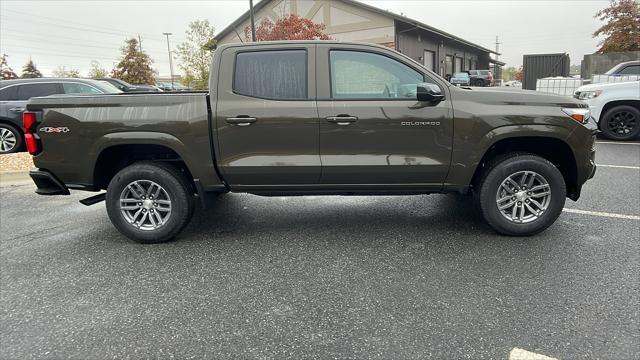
[614,103]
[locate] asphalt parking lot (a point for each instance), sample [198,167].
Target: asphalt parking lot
[326,277]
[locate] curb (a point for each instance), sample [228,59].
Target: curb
[14,177]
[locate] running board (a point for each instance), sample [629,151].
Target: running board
[94,199]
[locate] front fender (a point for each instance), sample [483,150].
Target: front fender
[470,148]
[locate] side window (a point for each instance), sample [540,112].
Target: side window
[8,93]
[271,74]
[77,88]
[631,70]
[27,91]
[363,75]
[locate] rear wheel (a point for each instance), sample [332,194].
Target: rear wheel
[150,202]
[621,123]
[521,194]
[479,82]
[10,139]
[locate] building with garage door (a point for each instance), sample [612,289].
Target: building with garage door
[348,20]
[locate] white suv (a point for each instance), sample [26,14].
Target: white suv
[615,107]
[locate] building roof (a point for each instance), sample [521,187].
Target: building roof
[257,7]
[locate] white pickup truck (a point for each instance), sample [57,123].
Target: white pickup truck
[615,107]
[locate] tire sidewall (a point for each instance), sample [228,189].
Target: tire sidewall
[180,204]
[510,166]
[19,138]
[604,124]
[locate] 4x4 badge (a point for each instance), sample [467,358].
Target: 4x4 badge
[49,129]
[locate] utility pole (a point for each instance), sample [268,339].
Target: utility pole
[170,60]
[497,47]
[140,42]
[253,23]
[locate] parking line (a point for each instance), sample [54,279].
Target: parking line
[603,214]
[619,166]
[521,354]
[617,143]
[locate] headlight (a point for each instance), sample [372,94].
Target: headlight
[587,95]
[580,115]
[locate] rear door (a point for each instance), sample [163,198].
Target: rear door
[18,95]
[266,117]
[372,128]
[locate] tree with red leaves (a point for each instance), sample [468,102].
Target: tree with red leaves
[290,27]
[621,28]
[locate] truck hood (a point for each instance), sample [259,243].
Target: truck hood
[634,84]
[511,96]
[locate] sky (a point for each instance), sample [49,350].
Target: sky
[73,33]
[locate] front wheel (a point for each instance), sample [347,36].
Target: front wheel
[150,202]
[521,194]
[479,83]
[621,123]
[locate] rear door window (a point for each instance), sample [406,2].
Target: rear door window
[27,91]
[271,74]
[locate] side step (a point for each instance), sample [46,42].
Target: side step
[94,199]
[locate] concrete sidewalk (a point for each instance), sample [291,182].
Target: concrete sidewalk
[8,178]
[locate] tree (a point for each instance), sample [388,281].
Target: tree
[621,30]
[509,73]
[290,27]
[6,72]
[63,72]
[29,70]
[519,73]
[96,71]
[196,53]
[135,65]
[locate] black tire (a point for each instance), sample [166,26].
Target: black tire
[479,82]
[621,123]
[178,190]
[10,134]
[497,171]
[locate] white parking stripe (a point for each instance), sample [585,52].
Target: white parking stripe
[617,143]
[521,354]
[603,214]
[619,166]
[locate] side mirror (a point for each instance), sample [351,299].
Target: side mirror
[428,92]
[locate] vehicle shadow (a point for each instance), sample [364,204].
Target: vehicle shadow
[242,215]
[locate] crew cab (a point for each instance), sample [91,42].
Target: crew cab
[309,118]
[615,107]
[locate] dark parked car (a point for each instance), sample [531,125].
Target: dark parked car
[126,87]
[308,118]
[625,68]
[481,77]
[461,78]
[15,93]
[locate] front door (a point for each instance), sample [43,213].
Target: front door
[372,128]
[266,117]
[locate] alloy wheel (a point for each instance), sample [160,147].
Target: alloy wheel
[7,140]
[622,123]
[523,196]
[145,205]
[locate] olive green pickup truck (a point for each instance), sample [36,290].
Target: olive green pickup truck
[313,117]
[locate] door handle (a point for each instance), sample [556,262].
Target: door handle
[241,120]
[342,120]
[17,109]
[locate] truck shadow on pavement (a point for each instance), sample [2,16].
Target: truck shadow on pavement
[427,216]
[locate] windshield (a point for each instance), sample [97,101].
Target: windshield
[107,87]
[461,75]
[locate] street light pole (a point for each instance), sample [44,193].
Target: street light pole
[253,23]
[170,60]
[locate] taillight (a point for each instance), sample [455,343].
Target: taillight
[29,121]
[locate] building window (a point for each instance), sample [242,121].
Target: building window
[364,75]
[429,59]
[271,74]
